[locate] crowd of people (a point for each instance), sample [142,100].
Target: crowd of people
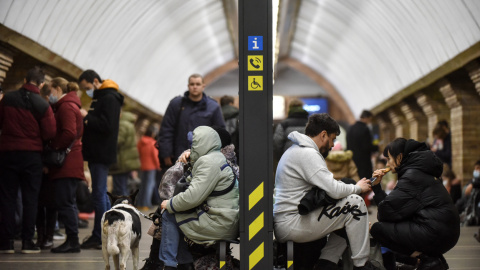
[418,202]
[54,123]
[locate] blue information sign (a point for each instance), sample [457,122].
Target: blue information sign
[255,43]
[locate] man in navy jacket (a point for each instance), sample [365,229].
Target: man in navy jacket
[184,114]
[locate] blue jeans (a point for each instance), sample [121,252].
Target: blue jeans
[101,202]
[147,188]
[120,184]
[173,249]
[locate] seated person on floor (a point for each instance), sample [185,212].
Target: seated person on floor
[418,218]
[167,187]
[301,168]
[468,205]
[210,173]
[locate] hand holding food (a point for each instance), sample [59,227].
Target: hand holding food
[378,175]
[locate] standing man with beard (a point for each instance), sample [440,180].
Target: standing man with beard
[301,168]
[100,137]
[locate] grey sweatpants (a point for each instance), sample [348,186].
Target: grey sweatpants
[349,212]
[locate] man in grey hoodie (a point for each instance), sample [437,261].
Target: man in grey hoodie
[303,167]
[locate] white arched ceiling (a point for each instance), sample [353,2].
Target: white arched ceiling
[148,47]
[368,49]
[371,49]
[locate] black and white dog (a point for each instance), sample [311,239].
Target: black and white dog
[121,232]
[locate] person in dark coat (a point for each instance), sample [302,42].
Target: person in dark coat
[418,218]
[231,115]
[66,106]
[26,121]
[184,114]
[296,121]
[442,143]
[100,139]
[359,140]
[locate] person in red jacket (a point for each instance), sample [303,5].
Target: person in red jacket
[26,121]
[149,166]
[66,106]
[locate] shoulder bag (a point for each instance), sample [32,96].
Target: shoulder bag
[56,158]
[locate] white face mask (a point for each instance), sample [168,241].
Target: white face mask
[52,99]
[476,174]
[445,182]
[90,92]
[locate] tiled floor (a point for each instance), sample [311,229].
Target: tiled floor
[466,254]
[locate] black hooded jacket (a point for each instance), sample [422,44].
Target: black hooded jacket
[420,209]
[100,135]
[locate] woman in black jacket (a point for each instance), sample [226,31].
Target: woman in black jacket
[418,218]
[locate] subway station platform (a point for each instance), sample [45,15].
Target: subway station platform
[465,255]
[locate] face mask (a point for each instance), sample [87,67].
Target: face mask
[90,92]
[445,182]
[52,99]
[476,174]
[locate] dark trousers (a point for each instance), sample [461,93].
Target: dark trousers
[386,239]
[19,169]
[66,204]
[305,255]
[47,212]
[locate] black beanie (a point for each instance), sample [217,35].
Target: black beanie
[224,135]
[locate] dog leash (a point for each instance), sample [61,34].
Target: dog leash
[143,215]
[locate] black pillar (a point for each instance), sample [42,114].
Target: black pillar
[256,177]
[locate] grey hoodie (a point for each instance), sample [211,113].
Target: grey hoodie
[301,168]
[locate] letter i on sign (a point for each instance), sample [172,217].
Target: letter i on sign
[255,46]
[255,43]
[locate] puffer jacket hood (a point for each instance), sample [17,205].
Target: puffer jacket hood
[418,156]
[340,156]
[205,140]
[341,164]
[109,84]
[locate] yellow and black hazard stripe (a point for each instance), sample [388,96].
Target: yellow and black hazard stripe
[256,226]
[222,257]
[290,255]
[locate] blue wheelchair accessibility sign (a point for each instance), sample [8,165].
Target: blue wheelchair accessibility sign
[255,43]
